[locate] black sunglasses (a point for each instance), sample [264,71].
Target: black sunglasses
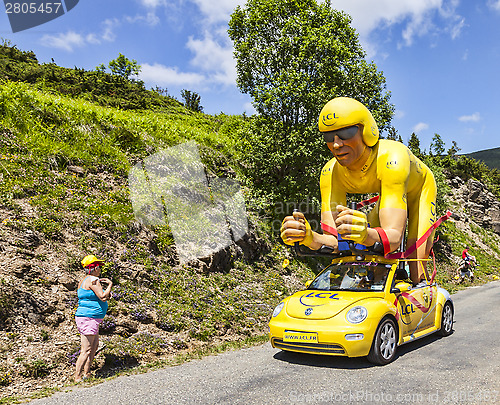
[343,133]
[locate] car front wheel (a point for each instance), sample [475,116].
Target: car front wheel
[384,344]
[446,320]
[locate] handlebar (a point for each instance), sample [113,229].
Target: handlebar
[376,249]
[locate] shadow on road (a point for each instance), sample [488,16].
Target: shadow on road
[353,363]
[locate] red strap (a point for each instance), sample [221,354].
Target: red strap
[435,268]
[418,304]
[420,241]
[367,202]
[329,229]
[385,240]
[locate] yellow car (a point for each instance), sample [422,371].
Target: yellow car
[360,306]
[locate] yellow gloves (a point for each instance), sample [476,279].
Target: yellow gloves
[356,229]
[296,229]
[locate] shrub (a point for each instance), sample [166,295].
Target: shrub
[36,369]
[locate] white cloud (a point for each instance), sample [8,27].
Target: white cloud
[215,59]
[153,3]
[417,17]
[217,11]
[249,109]
[67,42]
[213,52]
[70,40]
[150,19]
[421,126]
[166,76]
[398,114]
[494,4]
[109,27]
[470,118]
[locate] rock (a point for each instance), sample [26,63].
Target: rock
[31,239]
[35,318]
[481,205]
[456,182]
[126,327]
[80,171]
[54,319]
[68,282]
[20,268]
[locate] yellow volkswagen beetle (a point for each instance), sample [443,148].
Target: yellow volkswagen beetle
[360,306]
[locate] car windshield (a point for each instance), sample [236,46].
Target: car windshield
[362,276]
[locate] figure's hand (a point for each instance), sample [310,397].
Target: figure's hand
[351,224]
[295,228]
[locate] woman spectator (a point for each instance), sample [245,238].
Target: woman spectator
[92,307]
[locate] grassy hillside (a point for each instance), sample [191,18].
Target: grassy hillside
[491,157]
[96,86]
[64,194]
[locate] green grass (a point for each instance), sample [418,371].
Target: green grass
[487,265]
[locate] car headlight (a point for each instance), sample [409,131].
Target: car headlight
[357,314]
[278,309]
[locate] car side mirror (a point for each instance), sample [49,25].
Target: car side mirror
[401,287]
[308,283]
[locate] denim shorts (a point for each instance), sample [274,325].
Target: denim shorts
[88,326]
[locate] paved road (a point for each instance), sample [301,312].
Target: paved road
[463,368]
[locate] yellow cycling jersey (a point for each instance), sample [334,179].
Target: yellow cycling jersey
[392,171]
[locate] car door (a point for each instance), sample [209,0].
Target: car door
[417,308]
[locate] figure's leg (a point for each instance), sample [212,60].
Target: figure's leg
[421,216]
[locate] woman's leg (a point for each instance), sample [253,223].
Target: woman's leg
[94,342]
[85,351]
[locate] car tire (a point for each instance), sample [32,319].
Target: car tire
[384,344]
[446,320]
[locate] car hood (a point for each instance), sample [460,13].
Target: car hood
[316,304]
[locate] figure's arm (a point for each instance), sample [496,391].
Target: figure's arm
[296,229]
[353,225]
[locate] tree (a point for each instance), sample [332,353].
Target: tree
[452,152]
[414,145]
[192,100]
[393,135]
[437,145]
[293,56]
[124,67]
[101,68]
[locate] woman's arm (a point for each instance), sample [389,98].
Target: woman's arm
[96,286]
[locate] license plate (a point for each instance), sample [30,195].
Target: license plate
[300,337]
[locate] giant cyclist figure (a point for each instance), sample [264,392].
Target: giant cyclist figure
[363,163]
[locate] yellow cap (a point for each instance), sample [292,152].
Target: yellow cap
[344,112]
[89,259]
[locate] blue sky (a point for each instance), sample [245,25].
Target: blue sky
[441,58]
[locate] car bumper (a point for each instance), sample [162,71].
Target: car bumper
[331,336]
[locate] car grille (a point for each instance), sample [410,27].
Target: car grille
[309,347]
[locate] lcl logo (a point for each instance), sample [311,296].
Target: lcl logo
[25,14]
[328,118]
